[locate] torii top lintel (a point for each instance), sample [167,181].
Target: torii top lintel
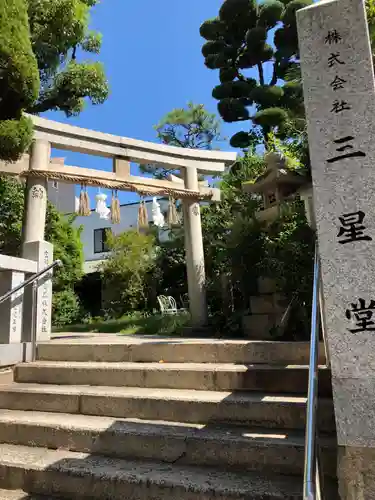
[72,138]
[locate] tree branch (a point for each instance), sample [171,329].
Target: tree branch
[274,74]
[241,77]
[41,106]
[261,74]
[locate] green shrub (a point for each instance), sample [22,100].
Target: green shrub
[125,272]
[65,308]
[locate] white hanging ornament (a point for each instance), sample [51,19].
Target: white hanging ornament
[101,206]
[76,205]
[157,216]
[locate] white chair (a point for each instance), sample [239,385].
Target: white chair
[167,305]
[185,301]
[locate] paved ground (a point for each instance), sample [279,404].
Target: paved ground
[114,338]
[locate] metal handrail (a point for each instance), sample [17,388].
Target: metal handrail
[312,483]
[33,280]
[34,277]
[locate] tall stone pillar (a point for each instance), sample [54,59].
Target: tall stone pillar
[36,193]
[194,252]
[339,93]
[34,246]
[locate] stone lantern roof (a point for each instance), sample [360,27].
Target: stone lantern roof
[277,184]
[276,174]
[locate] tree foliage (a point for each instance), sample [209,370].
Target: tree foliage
[239,249]
[370,8]
[41,43]
[59,231]
[288,257]
[237,43]
[19,79]
[170,276]
[66,308]
[233,243]
[59,33]
[67,247]
[124,272]
[11,215]
[190,127]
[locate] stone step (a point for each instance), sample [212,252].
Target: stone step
[223,446]
[199,376]
[253,409]
[179,351]
[80,475]
[21,495]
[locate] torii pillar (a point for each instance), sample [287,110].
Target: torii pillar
[194,251]
[36,193]
[34,247]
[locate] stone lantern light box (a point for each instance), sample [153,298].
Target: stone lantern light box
[277,184]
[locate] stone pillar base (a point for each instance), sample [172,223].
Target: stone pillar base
[356,473]
[267,310]
[258,326]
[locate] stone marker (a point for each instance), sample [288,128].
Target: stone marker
[339,93]
[42,253]
[11,310]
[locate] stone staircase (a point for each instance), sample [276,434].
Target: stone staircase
[193,420]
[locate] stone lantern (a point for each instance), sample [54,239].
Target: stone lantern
[276,185]
[269,309]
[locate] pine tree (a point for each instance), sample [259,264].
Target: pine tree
[190,127]
[247,36]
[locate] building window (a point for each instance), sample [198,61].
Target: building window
[100,240]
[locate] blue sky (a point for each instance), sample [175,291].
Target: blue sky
[152,56]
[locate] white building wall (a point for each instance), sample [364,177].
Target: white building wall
[129,218]
[62,196]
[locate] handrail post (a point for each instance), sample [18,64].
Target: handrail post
[310,466]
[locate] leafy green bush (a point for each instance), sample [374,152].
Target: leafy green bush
[288,258]
[125,272]
[65,308]
[67,247]
[59,231]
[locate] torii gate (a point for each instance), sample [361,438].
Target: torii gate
[38,168]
